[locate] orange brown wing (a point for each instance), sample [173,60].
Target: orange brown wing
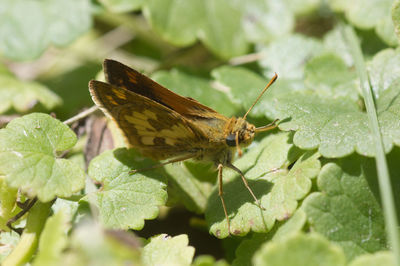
[157,131]
[123,76]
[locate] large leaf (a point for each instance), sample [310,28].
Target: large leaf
[125,200]
[369,14]
[346,210]
[29,150]
[300,249]
[166,250]
[336,126]
[225,27]
[29,27]
[277,188]
[247,248]
[24,95]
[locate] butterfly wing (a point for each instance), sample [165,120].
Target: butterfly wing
[123,76]
[157,131]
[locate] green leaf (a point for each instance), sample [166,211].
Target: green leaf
[334,42]
[8,240]
[379,258]
[300,249]
[29,147]
[125,200]
[366,14]
[277,188]
[166,250]
[284,57]
[122,5]
[369,14]
[196,88]
[245,86]
[180,24]
[328,75]
[264,21]
[29,27]
[207,260]
[90,244]
[53,240]
[302,7]
[189,187]
[396,17]
[24,95]
[216,23]
[8,208]
[383,70]
[346,211]
[247,248]
[335,126]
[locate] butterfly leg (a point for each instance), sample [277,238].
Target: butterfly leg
[245,183]
[178,159]
[220,193]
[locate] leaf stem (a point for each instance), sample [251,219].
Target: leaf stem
[382,168]
[27,245]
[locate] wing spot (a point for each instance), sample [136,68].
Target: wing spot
[119,94]
[150,114]
[170,141]
[137,120]
[147,140]
[111,99]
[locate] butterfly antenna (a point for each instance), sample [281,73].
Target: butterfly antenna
[259,96]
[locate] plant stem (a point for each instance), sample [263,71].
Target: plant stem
[27,245]
[381,164]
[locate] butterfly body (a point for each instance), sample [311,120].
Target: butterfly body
[164,125]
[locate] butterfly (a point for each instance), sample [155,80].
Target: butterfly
[164,125]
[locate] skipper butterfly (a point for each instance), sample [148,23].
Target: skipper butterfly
[164,125]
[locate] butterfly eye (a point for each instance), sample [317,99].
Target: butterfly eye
[231,140]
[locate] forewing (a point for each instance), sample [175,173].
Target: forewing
[123,76]
[157,131]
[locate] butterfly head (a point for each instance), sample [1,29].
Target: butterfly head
[241,133]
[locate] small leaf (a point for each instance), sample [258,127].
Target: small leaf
[28,157]
[196,88]
[328,75]
[207,260]
[8,206]
[277,189]
[122,5]
[90,244]
[369,14]
[284,57]
[300,249]
[346,211]
[396,17]
[385,258]
[126,200]
[52,25]
[383,70]
[245,86]
[9,241]
[53,240]
[166,250]
[188,186]
[334,41]
[302,7]
[264,21]
[247,248]
[216,23]
[24,95]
